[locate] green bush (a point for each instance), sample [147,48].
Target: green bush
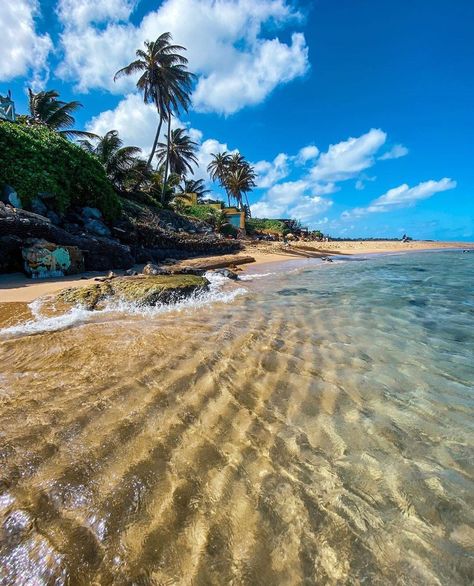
[253,225]
[202,212]
[35,159]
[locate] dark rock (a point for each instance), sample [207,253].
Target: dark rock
[99,253]
[11,260]
[91,213]
[53,217]
[10,196]
[131,273]
[38,207]
[227,273]
[152,269]
[97,227]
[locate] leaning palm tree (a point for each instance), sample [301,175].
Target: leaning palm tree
[122,165]
[164,80]
[45,108]
[191,187]
[179,151]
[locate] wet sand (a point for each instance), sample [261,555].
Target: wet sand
[17,288]
[315,430]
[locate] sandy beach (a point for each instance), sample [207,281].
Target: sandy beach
[17,288]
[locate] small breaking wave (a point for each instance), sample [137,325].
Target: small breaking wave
[78,315]
[251,277]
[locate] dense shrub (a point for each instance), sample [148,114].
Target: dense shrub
[35,159]
[253,225]
[202,212]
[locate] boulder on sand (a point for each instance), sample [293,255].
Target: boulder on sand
[142,290]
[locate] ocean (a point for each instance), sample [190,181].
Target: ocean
[309,425]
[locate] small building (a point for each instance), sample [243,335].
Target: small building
[7,108]
[235,216]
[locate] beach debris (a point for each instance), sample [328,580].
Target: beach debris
[142,290]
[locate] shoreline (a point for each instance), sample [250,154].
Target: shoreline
[17,288]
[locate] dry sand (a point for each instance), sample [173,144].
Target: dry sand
[16,288]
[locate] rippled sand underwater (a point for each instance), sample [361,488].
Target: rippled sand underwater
[316,430]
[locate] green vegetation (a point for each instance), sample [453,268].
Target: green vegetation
[164,82]
[121,163]
[253,225]
[101,171]
[46,108]
[180,151]
[235,175]
[36,159]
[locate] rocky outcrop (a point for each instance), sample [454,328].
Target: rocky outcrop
[99,253]
[134,239]
[142,290]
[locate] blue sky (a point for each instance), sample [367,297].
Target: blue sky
[357,114]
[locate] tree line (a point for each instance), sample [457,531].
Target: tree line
[165,82]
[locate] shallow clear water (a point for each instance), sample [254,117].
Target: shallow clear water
[315,429]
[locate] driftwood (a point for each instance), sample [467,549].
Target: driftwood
[219,262]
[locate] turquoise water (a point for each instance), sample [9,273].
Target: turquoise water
[310,426]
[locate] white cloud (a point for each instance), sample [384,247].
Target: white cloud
[23,50]
[361,181]
[348,158]
[256,74]
[80,13]
[270,173]
[395,152]
[307,153]
[294,199]
[237,66]
[402,196]
[136,123]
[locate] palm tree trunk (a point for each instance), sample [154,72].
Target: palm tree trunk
[165,176]
[155,142]
[248,205]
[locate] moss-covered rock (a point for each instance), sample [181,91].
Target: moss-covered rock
[142,290]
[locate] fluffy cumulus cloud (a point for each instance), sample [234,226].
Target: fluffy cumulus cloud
[269,173]
[237,65]
[348,158]
[136,123]
[80,13]
[402,196]
[307,153]
[396,152]
[295,199]
[23,51]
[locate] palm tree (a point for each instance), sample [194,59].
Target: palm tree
[122,164]
[239,182]
[179,151]
[164,81]
[193,186]
[45,108]
[218,168]
[234,174]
